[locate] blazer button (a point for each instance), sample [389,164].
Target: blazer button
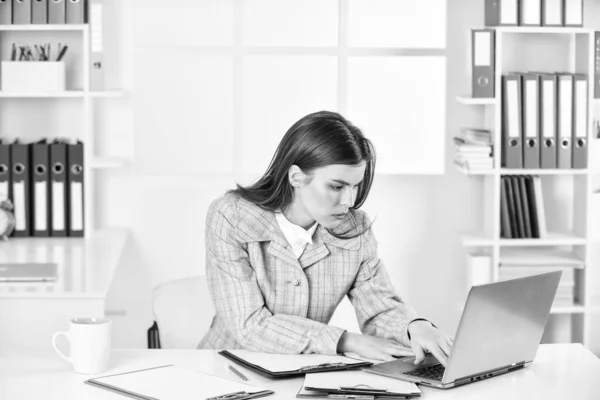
[295,282]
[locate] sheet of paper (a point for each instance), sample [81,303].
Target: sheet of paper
[289,362]
[358,380]
[175,383]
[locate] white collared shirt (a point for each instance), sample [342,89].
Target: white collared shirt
[297,236]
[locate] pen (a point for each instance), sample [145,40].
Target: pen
[62,53]
[238,373]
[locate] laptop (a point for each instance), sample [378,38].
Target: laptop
[500,329]
[28,272]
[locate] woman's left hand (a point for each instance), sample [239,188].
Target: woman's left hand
[424,337]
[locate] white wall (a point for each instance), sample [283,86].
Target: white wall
[418,217]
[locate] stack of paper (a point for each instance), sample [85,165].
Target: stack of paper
[474,149]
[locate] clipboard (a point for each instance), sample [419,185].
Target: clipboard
[357,384]
[170,381]
[301,364]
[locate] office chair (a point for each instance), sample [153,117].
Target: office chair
[183,312]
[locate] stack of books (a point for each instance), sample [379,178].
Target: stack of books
[474,149]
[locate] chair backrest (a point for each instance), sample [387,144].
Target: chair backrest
[183,312]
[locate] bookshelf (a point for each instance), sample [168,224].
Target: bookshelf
[566,192]
[86,266]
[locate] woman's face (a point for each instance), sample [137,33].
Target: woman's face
[328,192]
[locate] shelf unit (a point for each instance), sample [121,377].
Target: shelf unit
[97,240]
[574,235]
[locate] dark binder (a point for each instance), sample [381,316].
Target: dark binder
[533,212]
[59,189]
[75,181]
[21,183]
[501,13]
[5,168]
[57,12]
[41,199]
[21,12]
[531,120]
[505,226]
[512,210]
[293,373]
[75,13]
[39,12]
[580,122]
[514,182]
[5,12]
[482,63]
[548,120]
[525,199]
[512,127]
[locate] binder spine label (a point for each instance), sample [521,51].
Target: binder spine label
[597,65]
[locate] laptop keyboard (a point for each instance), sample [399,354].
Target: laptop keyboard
[435,372]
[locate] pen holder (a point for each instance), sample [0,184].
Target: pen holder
[33,76]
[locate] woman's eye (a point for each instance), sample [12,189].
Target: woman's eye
[337,188]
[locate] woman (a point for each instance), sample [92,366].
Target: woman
[282,254]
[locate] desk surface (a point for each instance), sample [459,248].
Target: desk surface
[565,371]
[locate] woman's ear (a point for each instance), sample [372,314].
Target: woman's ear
[296,176]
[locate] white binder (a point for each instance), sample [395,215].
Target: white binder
[573,13]
[531,12]
[565,121]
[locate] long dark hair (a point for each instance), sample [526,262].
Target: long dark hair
[317,140]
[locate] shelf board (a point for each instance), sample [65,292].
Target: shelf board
[518,171]
[547,257]
[573,309]
[68,93]
[109,162]
[475,171]
[85,265]
[44,27]
[470,101]
[552,239]
[542,29]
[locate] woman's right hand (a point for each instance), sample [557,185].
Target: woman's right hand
[371,347]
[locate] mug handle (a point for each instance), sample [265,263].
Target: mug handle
[60,353]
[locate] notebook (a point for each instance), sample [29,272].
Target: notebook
[170,382]
[289,365]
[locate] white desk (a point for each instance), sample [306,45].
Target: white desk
[565,371]
[31,312]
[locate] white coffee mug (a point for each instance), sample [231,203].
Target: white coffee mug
[89,342]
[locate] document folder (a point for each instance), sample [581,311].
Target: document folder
[173,382]
[548,121]
[501,12]
[290,365]
[552,12]
[59,188]
[531,126]
[75,181]
[75,12]
[597,65]
[96,21]
[512,137]
[580,124]
[57,12]
[573,13]
[21,12]
[482,67]
[531,13]
[565,121]
[40,155]
[5,12]
[356,383]
[39,12]
[5,167]
[21,183]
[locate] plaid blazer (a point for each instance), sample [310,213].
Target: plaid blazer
[267,300]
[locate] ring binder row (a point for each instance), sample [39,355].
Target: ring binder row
[24,12]
[544,120]
[44,180]
[534,12]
